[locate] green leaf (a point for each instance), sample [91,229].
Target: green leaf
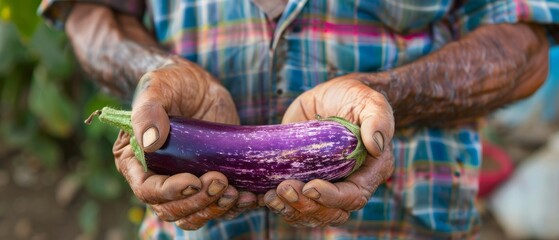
[89,217]
[45,149]
[25,135]
[11,48]
[56,112]
[360,152]
[18,132]
[52,50]
[23,14]
[104,185]
[96,153]
[10,96]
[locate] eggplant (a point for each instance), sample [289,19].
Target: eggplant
[253,158]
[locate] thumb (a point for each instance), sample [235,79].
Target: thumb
[377,125]
[150,120]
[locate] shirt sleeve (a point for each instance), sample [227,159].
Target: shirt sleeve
[470,14]
[55,12]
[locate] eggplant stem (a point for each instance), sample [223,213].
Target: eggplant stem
[90,118]
[121,119]
[360,152]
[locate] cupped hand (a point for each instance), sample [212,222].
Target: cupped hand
[319,202]
[179,88]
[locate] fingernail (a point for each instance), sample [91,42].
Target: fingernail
[225,201]
[290,194]
[215,187]
[311,193]
[379,140]
[277,204]
[190,190]
[150,136]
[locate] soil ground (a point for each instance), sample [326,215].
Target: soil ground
[29,208]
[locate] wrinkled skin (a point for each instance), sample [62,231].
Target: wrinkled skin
[122,56]
[319,202]
[183,89]
[466,79]
[463,80]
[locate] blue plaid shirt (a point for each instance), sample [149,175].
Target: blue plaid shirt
[266,64]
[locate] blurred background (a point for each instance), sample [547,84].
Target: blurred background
[57,175]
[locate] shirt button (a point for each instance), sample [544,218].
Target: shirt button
[279,91]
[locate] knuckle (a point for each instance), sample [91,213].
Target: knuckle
[140,194]
[358,203]
[163,213]
[185,224]
[308,209]
[334,217]
[203,215]
[312,223]
[388,172]
[343,218]
[289,214]
[371,185]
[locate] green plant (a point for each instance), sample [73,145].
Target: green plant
[44,100]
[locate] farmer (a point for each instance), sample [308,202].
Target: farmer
[415,75]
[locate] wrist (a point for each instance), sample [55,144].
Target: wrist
[392,84]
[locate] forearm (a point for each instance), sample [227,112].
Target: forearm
[491,67]
[113,49]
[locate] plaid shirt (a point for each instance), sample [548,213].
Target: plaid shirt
[265,64]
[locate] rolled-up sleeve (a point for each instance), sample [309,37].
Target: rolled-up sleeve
[471,14]
[55,12]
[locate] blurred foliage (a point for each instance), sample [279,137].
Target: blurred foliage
[43,102]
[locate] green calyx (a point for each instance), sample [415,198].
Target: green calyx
[360,152]
[121,119]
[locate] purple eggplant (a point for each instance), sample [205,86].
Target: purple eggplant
[253,158]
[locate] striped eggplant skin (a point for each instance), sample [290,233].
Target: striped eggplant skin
[256,158]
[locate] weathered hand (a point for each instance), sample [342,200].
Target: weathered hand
[179,88]
[321,203]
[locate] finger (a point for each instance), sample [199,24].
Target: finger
[272,201]
[303,108]
[290,192]
[213,186]
[295,218]
[213,211]
[377,123]
[150,187]
[157,189]
[288,213]
[261,202]
[246,200]
[342,195]
[341,219]
[150,120]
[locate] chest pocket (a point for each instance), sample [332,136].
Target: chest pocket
[404,16]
